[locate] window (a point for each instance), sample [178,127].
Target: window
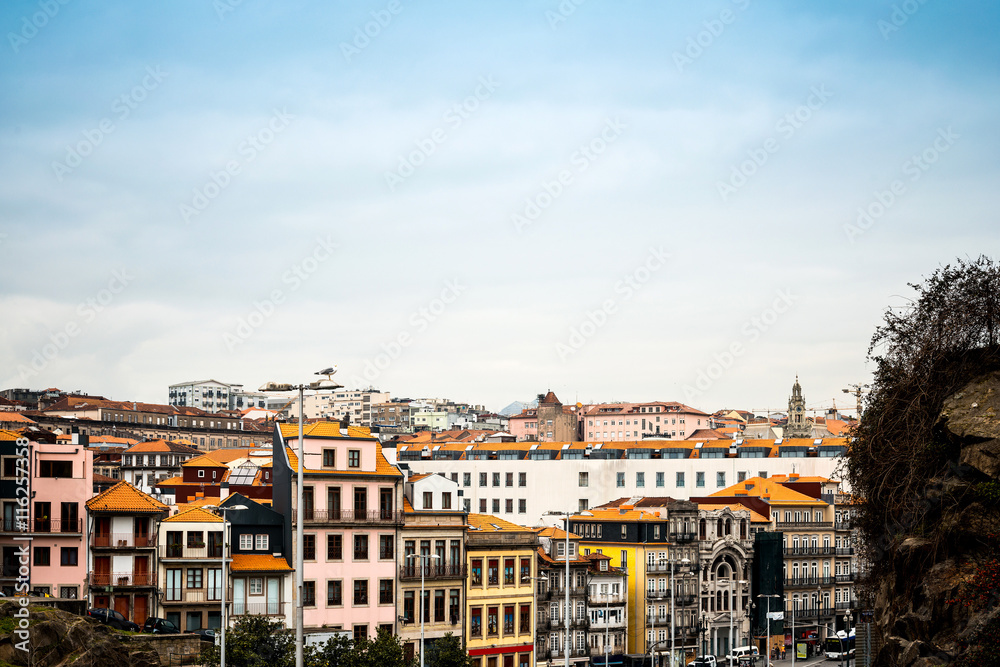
[482,506]
[509,479]
[509,505]
[360,547]
[386,547]
[496,506]
[360,502]
[360,591]
[493,572]
[55,469]
[260,542]
[329,458]
[659,479]
[439,606]
[334,547]
[385,589]
[428,500]
[68,556]
[522,506]
[640,479]
[620,480]
[256,586]
[353,458]
[476,574]
[680,480]
[508,572]
[446,500]
[476,622]
[453,608]
[482,479]
[522,479]
[466,479]
[309,547]
[334,593]
[194,577]
[699,479]
[360,632]
[584,479]
[508,620]
[409,602]
[492,626]
[41,556]
[720,479]
[309,593]
[496,479]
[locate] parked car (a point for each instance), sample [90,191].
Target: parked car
[159,626]
[703,661]
[112,618]
[206,635]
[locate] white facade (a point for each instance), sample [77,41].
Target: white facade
[209,395]
[354,403]
[535,487]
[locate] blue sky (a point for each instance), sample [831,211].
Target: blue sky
[455,204]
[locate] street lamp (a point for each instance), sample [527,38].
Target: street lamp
[299,561]
[732,608]
[534,604]
[767,621]
[423,566]
[222,641]
[567,515]
[673,608]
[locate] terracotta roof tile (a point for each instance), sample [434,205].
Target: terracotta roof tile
[195,514]
[123,497]
[7,436]
[161,446]
[258,563]
[382,465]
[324,429]
[487,523]
[7,417]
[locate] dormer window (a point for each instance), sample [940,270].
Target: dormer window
[604,566]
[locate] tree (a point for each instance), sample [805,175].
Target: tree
[254,641]
[447,652]
[923,353]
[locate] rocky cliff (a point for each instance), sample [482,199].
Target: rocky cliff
[940,602]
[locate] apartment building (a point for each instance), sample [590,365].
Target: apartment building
[608,609]
[123,524]
[352,404]
[60,479]
[635,421]
[500,597]
[392,416]
[496,476]
[220,472]
[352,513]
[433,555]
[146,464]
[190,568]
[562,598]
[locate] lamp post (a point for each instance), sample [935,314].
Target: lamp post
[299,561]
[534,605]
[423,566]
[767,623]
[567,515]
[673,608]
[222,575]
[732,607]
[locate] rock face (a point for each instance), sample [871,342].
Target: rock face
[923,608]
[59,638]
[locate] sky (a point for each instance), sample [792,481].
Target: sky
[615,201]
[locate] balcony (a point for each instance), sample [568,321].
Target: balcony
[845,551]
[685,599]
[122,541]
[843,525]
[808,581]
[799,525]
[257,609]
[192,595]
[598,651]
[682,538]
[123,579]
[656,619]
[432,572]
[843,578]
[53,526]
[181,551]
[605,600]
[851,604]
[349,516]
[808,551]
[806,613]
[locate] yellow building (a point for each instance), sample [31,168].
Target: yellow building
[500,592]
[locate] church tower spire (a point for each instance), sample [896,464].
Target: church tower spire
[797,426]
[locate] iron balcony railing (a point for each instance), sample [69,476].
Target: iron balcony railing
[11,525]
[350,516]
[809,581]
[683,537]
[123,579]
[850,604]
[598,600]
[809,551]
[432,571]
[803,613]
[257,609]
[123,540]
[795,525]
[192,595]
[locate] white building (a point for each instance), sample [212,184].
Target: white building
[214,396]
[354,403]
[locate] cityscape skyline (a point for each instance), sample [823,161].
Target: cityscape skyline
[687,203]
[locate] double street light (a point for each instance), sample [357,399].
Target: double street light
[423,567]
[568,611]
[767,623]
[316,385]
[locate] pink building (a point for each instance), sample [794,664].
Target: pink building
[524,426]
[352,515]
[632,421]
[61,481]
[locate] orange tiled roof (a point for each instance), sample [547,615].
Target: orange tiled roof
[195,514]
[323,429]
[258,563]
[220,457]
[555,533]
[407,505]
[769,489]
[7,417]
[487,523]
[7,436]
[123,497]
[103,479]
[161,446]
